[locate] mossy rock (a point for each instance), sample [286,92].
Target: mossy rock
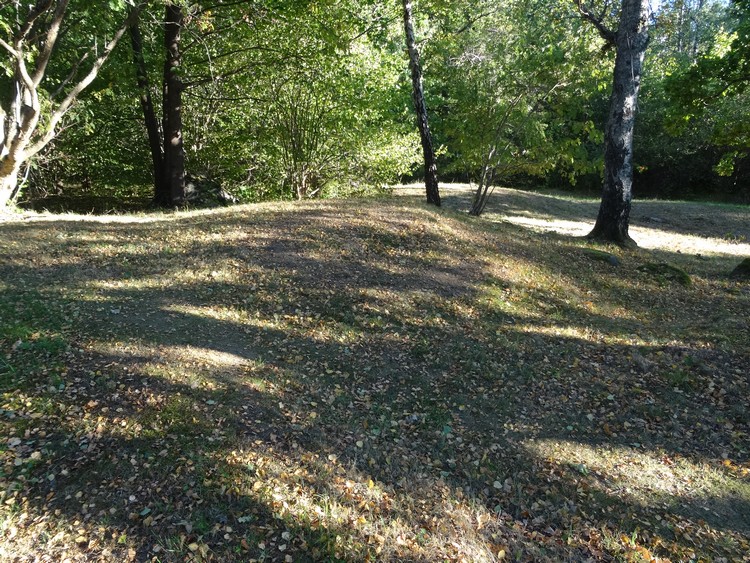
[742,271]
[666,272]
[602,256]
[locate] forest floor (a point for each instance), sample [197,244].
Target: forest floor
[375,380]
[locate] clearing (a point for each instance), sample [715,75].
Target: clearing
[375,380]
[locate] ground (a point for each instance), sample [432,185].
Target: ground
[375,380]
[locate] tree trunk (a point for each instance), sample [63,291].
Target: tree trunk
[430,164]
[631,41]
[174,152]
[9,170]
[162,195]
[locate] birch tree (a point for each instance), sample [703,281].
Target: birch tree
[430,162]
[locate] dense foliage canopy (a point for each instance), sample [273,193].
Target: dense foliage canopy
[301,99]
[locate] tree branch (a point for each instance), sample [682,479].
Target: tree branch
[10,49]
[66,103]
[49,42]
[41,7]
[597,21]
[70,76]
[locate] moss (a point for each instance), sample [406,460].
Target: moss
[602,256]
[666,272]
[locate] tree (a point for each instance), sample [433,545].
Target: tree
[712,95]
[630,41]
[514,82]
[174,151]
[29,116]
[156,145]
[430,163]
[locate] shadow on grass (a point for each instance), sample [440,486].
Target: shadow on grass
[723,221]
[248,377]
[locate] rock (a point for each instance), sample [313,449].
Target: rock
[742,271]
[666,272]
[201,190]
[602,256]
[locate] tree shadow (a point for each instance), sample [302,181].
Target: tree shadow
[698,219]
[337,350]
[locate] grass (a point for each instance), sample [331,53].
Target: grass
[373,380]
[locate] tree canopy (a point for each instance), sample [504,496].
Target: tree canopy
[307,99]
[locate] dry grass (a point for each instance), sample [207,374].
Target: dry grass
[373,379]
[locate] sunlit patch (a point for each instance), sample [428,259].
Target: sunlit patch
[655,239]
[207,356]
[365,517]
[583,333]
[573,228]
[216,313]
[645,476]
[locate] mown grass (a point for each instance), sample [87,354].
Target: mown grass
[366,379]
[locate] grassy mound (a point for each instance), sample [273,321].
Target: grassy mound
[363,379]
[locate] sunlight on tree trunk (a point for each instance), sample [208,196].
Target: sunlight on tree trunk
[430,164]
[630,41]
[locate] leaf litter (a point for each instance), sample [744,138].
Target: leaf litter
[364,380]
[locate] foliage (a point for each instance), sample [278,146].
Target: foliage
[236,84]
[516,92]
[710,96]
[512,94]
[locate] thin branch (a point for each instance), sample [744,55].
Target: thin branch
[71,75]
[471,21]
[10,49]
[65,104]
[598,21]
[41,7]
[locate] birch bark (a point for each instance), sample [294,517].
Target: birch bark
[430,164]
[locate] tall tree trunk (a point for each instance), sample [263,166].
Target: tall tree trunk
[162,194]
[174,152]
[695,29]
[680,27]
[430,164]
[631,40]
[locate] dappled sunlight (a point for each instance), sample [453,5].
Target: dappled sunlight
[686,227]
[188,355]
[634,473]
[657,239]
[220,313]
[320,493]
[585,334]
[361,379]
[649,238]
[572,228]
[130,218]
